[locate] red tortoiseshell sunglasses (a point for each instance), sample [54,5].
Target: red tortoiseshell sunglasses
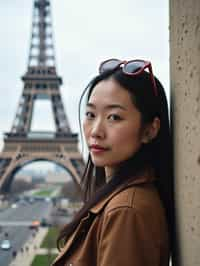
[131,68]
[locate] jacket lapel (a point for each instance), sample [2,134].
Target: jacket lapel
[72,238]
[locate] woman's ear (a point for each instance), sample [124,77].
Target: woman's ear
[151,130]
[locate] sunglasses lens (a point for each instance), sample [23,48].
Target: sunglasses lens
[109,65]
[134,66]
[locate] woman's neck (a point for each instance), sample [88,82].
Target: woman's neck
[108,178]
[109,171]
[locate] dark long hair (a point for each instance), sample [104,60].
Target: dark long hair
[157,153]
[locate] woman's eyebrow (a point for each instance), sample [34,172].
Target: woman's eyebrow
[91,105]
[109,106]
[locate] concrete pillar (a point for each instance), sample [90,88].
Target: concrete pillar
[185,94]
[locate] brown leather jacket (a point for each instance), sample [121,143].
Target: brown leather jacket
[127,228]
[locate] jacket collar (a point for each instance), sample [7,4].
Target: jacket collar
[148,176]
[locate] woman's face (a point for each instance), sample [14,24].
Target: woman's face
[112,125]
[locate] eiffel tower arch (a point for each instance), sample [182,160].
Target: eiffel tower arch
[41,82]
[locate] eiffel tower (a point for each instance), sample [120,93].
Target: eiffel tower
[21,145]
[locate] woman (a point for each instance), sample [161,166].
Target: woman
[127,218]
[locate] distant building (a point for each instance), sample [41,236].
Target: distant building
[25,177]
[57,177]
[38,179]
[50,176]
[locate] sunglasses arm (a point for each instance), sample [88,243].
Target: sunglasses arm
[153,80]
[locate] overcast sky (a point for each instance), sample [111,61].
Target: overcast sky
[85,33]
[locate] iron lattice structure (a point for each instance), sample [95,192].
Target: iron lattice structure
[21,146]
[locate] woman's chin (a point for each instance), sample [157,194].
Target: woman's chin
[98,163]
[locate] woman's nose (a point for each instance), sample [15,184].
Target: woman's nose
[97,130]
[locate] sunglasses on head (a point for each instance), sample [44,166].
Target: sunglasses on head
[131,68]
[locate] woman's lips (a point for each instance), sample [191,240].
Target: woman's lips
[97,149]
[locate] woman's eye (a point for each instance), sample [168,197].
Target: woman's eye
[114,117]
[89,115]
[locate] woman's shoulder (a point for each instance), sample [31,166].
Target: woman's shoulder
[137,197]
[135,192]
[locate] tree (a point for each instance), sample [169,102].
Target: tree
[71,191]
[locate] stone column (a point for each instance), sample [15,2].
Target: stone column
[185,95]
